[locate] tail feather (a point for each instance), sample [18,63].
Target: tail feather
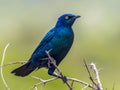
[24,70]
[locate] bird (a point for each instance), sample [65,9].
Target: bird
[58,41]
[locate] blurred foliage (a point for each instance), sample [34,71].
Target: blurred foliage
[23,23]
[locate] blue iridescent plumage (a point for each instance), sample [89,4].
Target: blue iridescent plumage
[59,40]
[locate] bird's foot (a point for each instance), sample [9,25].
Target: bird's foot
[64,78]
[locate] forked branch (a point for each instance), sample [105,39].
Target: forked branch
[94,86]
[96,83]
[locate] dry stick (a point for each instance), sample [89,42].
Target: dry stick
[72,79]
[68,78]
[99,85]
[3,57]
[36,88]
[84,88]
[11,63]
[42,81]
[52,79]
[90,76]
[72,83]
[82,82]
[52,61]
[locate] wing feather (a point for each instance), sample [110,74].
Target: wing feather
[48,37]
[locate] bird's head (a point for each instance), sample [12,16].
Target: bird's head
[67,20]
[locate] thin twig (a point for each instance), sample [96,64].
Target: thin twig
[42,81]
[84,88]
[53,62]
[70,79]
[3,58]
[45,81]
[95,86]
[82,82]
[90,75]
[36,88]
[99,85]
[11,63]
[72,84]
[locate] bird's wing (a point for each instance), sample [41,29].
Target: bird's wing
[45,40]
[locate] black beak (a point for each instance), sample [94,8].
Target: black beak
[77,16]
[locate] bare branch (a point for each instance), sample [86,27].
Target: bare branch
[42,81]
[82,82]
[90,75]
[99,85]
[62,76]
[94,86]
[53,62]
[84,88]
[70,79]
[11,63]
[1,69]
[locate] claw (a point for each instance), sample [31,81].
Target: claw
[64,78]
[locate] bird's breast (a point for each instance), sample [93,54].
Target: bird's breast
[59,45]
[64,37]
[62,41]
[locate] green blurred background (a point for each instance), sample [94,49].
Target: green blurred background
[23,23]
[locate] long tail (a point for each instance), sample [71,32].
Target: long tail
[24,70]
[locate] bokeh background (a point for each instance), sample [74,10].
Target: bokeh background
[23,23]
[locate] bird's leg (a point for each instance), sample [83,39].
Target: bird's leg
[52,73]
[64,78]
[52,65]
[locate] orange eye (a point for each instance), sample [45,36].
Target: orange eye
[66,17]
